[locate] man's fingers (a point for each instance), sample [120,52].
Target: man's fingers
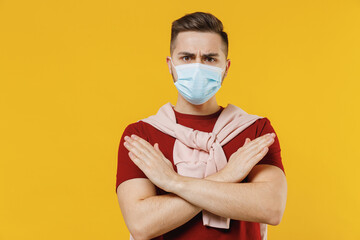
[136,160]
[144,144]
[141,146]
[254,147]
[258,146]
[263,137]
[137,148]
[134,149]
[260,155]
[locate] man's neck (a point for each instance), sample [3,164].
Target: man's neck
[183,106]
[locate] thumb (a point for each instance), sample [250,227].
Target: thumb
[156,146]
[157,149]
[247,140]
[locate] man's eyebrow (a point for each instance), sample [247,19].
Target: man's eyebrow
[204,55]
[186,53]
[211,55]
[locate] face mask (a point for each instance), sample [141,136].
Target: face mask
[197,82]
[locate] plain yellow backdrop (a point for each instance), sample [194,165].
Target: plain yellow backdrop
[74,74]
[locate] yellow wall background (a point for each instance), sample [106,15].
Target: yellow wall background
[73,74]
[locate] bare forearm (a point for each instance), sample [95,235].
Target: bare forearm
[255,202]
[160,214]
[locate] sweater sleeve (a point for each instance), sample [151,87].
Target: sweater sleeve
[273,156]
[126,169]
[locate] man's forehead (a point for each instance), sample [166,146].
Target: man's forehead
[193,42]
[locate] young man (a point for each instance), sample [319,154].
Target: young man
[198,170]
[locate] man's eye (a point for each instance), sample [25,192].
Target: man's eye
[209,59]
[186,58]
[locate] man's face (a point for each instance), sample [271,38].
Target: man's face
[198,47]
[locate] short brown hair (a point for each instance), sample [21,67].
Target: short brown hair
[200,22]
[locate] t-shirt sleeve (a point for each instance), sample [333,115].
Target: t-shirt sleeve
[126,169]
[273,156]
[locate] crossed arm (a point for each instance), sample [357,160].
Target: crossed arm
[148,215]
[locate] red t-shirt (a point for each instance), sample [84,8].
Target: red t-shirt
[194,229]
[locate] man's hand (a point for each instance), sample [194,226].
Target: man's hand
[160,170]
[151,161]
[246,157]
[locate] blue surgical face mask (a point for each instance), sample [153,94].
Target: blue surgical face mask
[197,82]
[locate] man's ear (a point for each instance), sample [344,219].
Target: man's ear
[168,61]
[228,62]
[226,70]
[171,67]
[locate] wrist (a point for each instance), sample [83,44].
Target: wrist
[225,175]
[220,176]
[176,183]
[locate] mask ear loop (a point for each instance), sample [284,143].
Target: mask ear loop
[224,67]
[222,79]
[172,62]
[223,70]
[174,68]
